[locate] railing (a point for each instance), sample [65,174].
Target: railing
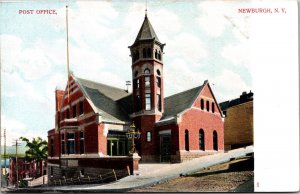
[112,175]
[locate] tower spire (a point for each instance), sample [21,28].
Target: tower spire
[146,9]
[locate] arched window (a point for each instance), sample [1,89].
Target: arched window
[158,72]
[147,71]
[137,55]
[133,56]
[202,104]
[187,143]
[144,53]
[159,55]
[201,140]
[213,107]
[207,105]
[156,54]
[215,140]
[149,53]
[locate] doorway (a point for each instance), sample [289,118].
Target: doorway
[165,148]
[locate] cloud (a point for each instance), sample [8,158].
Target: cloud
[188,47]
[228,85]
[179,76]
[215,16]
[32,62]
[15,87]
[16,128]
[237,54]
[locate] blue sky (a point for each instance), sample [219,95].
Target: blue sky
[204,40]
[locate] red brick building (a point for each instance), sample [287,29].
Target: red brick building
[92,122]
[25,168]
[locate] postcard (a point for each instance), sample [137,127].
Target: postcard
[149,96]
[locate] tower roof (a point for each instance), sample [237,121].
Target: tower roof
[146,32]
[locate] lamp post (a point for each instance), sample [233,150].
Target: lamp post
[132,134]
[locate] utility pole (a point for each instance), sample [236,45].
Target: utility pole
[16,143]
[4,156]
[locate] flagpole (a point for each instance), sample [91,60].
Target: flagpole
[67,24]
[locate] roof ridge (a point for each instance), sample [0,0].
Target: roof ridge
[101,84]
[183,91]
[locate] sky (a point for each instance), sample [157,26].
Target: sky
[204,40]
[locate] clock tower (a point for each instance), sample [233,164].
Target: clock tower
[148,88]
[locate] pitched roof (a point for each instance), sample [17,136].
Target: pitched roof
[179,102]
[242,99]
[146,31]
[110,102]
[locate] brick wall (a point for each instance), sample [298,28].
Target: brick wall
[238,125]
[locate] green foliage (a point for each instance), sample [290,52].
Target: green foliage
[37,148]
[23,183]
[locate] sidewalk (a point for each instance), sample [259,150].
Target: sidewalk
[161,173]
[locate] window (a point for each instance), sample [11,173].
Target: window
[202,104]
[81,110]
[51,147]
[62,115]
[136,55]
[213,107]
[158,82]
[149,53]
[81,142]
[158,102]
[138,83]
[63,143]
[215,140]
[144,53]
[201,140]
[187,143]
[74,111]
[147,81]
[158,72]
[207,106]
[148,136]
[156,54]
[148,101]
[136,73]
[138,103]
[71,143]
[159,55]
[68,113]
[147,71]
[51,170]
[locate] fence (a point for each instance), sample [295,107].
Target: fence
[112,175]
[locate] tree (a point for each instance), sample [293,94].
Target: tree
[37,148]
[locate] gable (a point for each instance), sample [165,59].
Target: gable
[207,96]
